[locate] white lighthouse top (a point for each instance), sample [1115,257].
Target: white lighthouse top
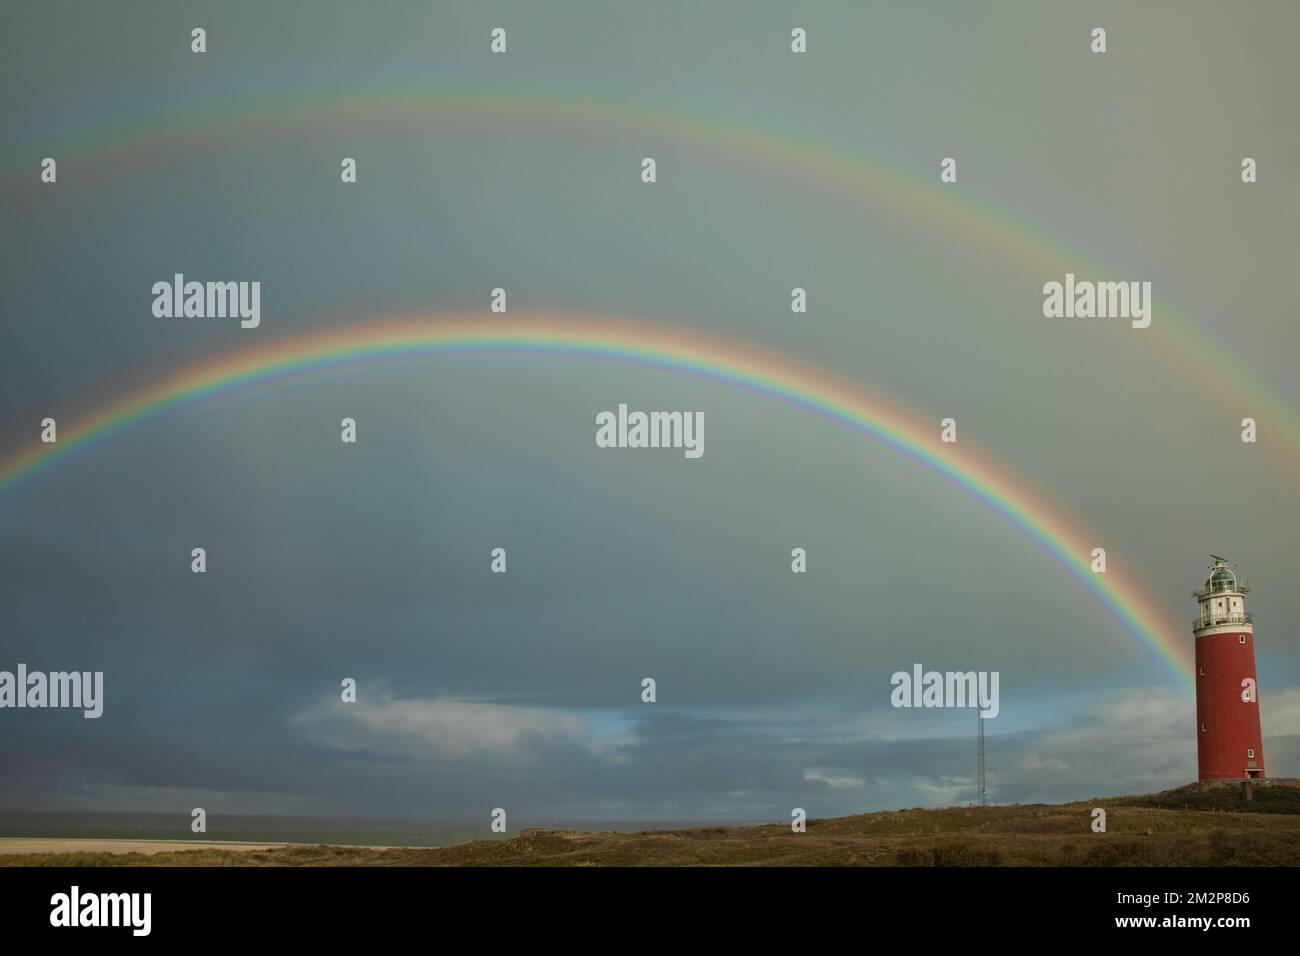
[1222,600]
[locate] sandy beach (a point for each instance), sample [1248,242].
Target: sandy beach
[14,845]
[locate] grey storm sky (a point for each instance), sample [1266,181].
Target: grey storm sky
[522,690]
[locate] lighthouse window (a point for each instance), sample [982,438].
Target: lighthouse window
[1242,638]
[1202,671]
[1202,728]
[1250,752]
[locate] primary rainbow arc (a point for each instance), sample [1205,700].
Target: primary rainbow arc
[598,338]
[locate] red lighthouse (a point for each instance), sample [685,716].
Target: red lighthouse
[1228,743]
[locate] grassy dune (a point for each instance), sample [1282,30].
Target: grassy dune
[1155,830]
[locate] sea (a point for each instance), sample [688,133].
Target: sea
[360,831]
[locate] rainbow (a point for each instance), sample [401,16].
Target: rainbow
[665,348]
[747,135]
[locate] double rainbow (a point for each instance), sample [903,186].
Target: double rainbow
[832,161]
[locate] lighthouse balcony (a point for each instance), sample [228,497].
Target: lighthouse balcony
[1222,587]
[1214,620]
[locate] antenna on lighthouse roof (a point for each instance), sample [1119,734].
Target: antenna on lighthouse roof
[1217,558]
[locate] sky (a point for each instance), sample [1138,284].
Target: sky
[371,561]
